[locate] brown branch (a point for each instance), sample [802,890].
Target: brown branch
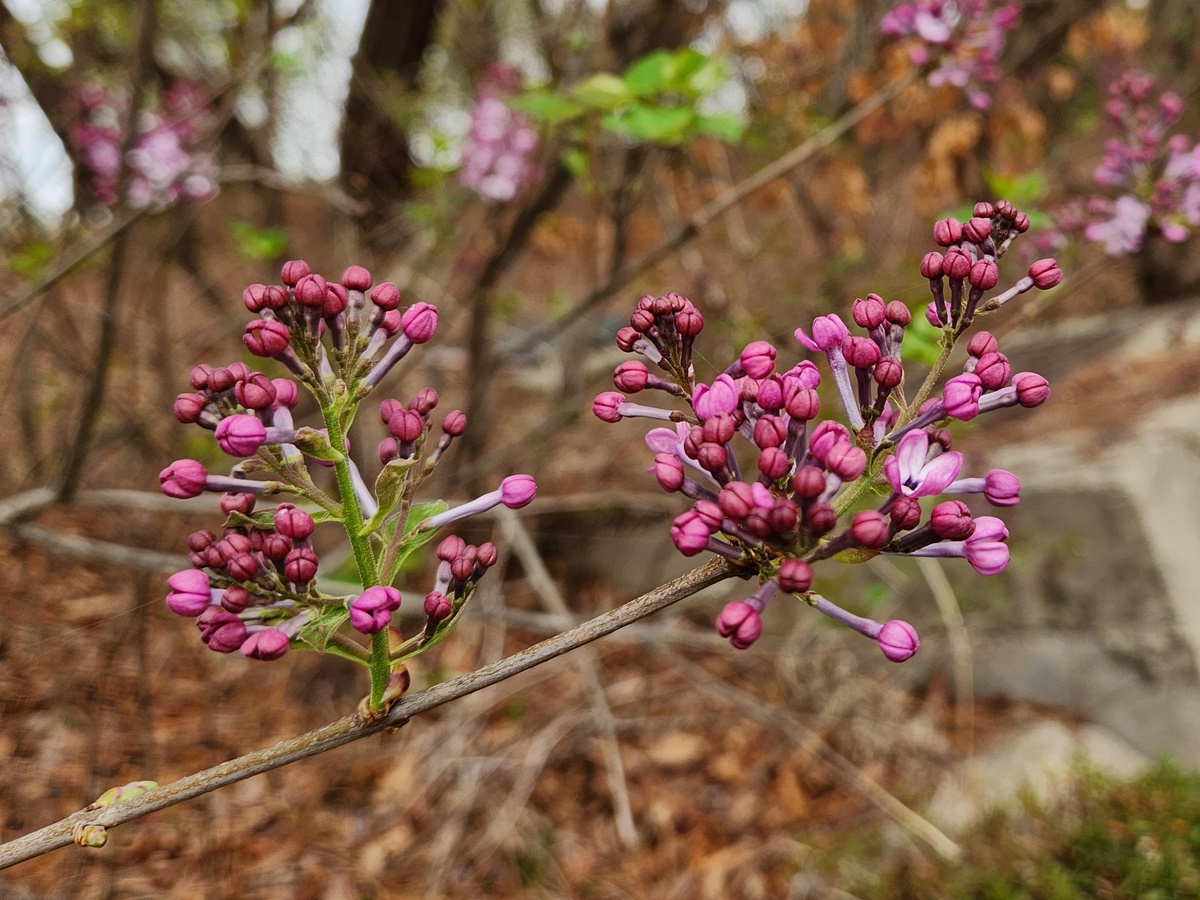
[352,728]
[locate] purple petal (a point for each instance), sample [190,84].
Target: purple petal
[938,474]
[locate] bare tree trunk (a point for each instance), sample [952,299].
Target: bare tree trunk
[374,147]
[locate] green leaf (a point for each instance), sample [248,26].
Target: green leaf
[414,540]
[659,125]
[701,75]
[725,126]
[31,260]
[262,244]
[544,106]
[648,76]
[317,633]
[389,489]
[602,91]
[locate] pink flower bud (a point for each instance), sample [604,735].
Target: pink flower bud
[905,513]
[981,343]
[1045,274]
[947,231]
[898,314]
[293,523]
[931,265]
[517,491]
[371,611]
[808,483]
[188,407]
[241,435]
[977,229]
[293,271]
[951,521]
[846,461]
[668,469]
[870,529]
[961,397]
[254,297]
[689,533]
[287,395]
[237,502]
[773,463]
[183,479]
[437,607]
[860,352]
[300,565]
[795,576]
[741,623]
[356,278]
[266,337]
[758,359]
[1002,488]
[190,593]
[770,431]
[310,291]
[455,423]
[336,300]
[268,644]
[688,321]
[984,274]
[889,372]
[630,376]
[868,313]
[1032,389]
[898,640]
[605,406]
[993,371]
[386,296]
[419,322]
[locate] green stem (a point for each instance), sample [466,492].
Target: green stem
[867,480]
[352,520]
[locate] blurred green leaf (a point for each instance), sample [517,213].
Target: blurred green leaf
[547,107]
[602,91]
[663,125]
[260,244]
[31,260]
[725,126]
[649,75]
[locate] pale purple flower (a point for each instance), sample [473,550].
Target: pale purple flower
[498,156]
[719,398]
[1123,233]
[908,472]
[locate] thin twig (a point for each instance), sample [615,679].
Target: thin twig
[811,742]
[143,60]
[66,266]
[352,728]
[960,646]
[726,199]
[517,537]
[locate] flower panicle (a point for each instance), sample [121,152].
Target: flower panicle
[791,499]
[253,587]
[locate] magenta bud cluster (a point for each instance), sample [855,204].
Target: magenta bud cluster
[253,586]
[775,483]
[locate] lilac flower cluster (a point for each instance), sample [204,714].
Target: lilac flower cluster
[1155,175]
[960,41]
[498,156]
[783,512]
[166,161]
[252,587]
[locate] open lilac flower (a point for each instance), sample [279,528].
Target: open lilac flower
[959,41]
[498,156]
[912,473]
[791,498]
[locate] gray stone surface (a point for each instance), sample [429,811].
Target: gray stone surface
[1037,760]
[1100,609]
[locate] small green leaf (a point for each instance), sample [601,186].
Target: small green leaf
[414,539]
[316,444]
[389,489]
[31,260]
[544,106]
[317,633]
[262,244]
[725,126]
[602,91]
[658,125]
[648,76]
